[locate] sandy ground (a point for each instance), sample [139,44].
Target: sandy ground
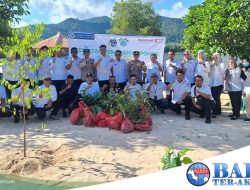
[63,152]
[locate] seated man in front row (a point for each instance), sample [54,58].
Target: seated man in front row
[181,94]
[46,100]
[112,86]
[4,111]
[17,103]
[202,99]
[155,89]
[133,88]
[89,87]
[68,96]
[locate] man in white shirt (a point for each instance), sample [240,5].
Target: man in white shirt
[4,111]
[170,68]
[203,67]
[46,100]
[217,74]
[202,99]
[73,67]
[89,87]
[181,94]
[103,66]
[87,65]
[45,66]
[120,70]
[155,91]
[18,103]
[153,67]
[59,72]
[133,88]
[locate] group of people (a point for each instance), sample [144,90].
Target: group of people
[195,85]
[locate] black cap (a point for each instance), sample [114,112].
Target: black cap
[136,53]
[86,51]
[47,77]
[89,75]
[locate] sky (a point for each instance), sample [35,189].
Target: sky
[55,11]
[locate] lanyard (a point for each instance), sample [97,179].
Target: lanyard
[155,89]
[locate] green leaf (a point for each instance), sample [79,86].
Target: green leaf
[186,160]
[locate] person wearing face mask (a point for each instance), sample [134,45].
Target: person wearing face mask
[246,87]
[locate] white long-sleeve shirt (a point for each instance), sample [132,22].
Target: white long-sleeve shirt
[217,74]
[93,90]
[104,68]
[45,68]
[151,69]
[29,67]
[246,84]
[75,70]
[59,71]
[49,94]
[203,71]
[170,72]
[156,90]
[11,71]
[233,81]
[189,68]
[120,70]
[17,91]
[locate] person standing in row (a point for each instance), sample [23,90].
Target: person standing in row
[188,66]
[11,72]
[246,87]
[234,87]
[217,73]
[170,67]
[137,68]
[59,72]
[203,67]
[103,66]
[87,65]
[73,66]
[153,67]
[120,70]
[45,67]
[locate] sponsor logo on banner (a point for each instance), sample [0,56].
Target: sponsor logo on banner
[112,42]
[158,40]
[83,36]
[123,42]
[145,40]
[198,174]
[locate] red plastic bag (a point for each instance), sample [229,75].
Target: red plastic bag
[101,118]
[148,115]
[115,121]
[77,113]
[143,127]
[88,120]
[127,126]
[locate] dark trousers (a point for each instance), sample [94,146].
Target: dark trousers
[6,112]
[160,104]
[170,95]
[16,109]
[236,99]
[8,91]
[121,85]
[65,101]
[206,107]
[78,83]
[41,112]
[58,84]
[177,107]
[102,83]
[216,93]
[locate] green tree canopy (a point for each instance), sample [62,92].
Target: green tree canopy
[219,25]
[133,17]
[10,11]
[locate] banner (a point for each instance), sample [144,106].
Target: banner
[146,45]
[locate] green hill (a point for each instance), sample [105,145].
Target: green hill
[172,28]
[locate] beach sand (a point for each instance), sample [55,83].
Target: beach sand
[63,152]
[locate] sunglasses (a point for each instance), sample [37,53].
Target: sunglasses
[186,53]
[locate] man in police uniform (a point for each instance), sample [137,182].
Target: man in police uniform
[137,68]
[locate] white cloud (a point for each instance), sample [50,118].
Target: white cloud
[59,10]
[177,11]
